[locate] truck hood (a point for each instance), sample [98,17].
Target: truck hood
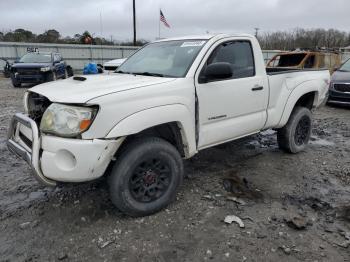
[77,91]
[30,65]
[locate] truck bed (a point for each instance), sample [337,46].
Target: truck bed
[280,70]
[282,84]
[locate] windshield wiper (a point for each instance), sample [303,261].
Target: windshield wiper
[148,74]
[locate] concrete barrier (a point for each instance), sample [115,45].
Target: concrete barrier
[75,55]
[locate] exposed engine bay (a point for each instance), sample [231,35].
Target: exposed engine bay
[36,106]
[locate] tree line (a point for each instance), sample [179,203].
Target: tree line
[279,40]
[53,36]
[304,38]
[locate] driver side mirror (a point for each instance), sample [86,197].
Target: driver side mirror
[218,71]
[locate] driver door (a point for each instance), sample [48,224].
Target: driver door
[234,107]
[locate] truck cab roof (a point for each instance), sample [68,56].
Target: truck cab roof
[204,37]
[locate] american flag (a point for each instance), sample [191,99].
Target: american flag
[162,18]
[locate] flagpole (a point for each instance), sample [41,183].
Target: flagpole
[159,25]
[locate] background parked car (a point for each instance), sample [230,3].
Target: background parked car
[39,67]
[339,90]
[112,65]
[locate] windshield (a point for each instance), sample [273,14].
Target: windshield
[345,66]
[35,58]
[169,59]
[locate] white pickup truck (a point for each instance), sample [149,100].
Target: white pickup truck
[166,102]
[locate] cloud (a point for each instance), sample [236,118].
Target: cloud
[185,16]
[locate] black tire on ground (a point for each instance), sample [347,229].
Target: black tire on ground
[15,83]
[146,176]
[295,135]
[65,76]
[52,76]
[70,71]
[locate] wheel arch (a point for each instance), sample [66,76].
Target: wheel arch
[173,123]
[306,95]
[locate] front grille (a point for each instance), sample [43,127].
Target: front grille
[37,104]
[342,87]
[24,71]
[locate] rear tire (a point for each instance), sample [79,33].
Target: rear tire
[65,76]
[70,71]
[295,135]
[146,177]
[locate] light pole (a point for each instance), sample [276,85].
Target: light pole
[134,20]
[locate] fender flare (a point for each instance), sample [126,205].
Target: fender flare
[155,116]
[295,95]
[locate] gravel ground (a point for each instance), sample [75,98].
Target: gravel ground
[294,207]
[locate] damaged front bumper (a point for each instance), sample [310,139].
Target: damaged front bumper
[54,158]
[18,147]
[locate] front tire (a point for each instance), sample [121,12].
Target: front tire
[295,135]
[146,177]
[52,76]
[15,83]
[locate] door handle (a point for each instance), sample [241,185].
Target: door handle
[257,88]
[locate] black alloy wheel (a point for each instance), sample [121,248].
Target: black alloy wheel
[150,180]
[146,176]
[302,131]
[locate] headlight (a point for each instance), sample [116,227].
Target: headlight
[67,121]
[45,69]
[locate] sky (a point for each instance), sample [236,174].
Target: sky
[186,17]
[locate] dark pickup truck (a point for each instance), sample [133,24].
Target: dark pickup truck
[39,67]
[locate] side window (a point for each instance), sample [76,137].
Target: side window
[239,54]
[310,62]
[57,57]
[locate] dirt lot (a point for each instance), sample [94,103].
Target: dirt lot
[294,207]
